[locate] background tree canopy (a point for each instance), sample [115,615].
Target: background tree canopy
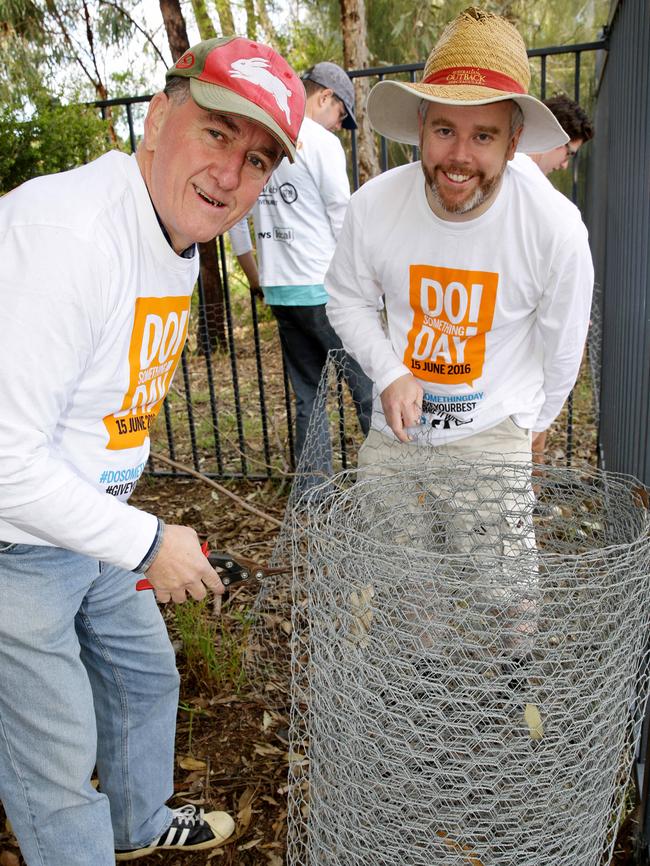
[56,53]
[53,138]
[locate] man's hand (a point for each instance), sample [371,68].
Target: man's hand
[538,445]
[181,567]
[402,405]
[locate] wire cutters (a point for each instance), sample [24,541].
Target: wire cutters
[232,570]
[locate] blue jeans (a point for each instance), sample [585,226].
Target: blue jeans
[87,678]
[307,336]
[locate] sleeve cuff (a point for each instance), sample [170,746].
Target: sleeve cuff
[153,550]
[386,379]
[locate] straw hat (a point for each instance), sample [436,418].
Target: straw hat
[480,58]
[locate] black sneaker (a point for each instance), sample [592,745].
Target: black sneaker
[190,830]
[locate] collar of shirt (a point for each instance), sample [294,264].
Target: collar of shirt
[187,253]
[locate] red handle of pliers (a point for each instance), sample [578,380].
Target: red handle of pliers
[144,583]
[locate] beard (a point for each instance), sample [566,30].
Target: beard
[486,187]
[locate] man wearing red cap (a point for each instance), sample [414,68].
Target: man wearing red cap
[486,274]
[98,270]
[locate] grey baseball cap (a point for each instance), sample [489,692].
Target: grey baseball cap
[331,75]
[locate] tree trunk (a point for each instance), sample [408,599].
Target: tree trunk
[214,333]
[226,21]
[175,27]
[264,19]
[355,56]
[251,19]
[203,20]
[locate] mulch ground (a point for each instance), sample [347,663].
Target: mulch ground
[229,754]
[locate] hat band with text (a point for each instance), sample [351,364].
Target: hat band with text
[474,76]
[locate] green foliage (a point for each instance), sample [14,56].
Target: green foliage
[400,31]
[20,76]
[49,48]
[213,646]
[55,138]
[24,17]
[404,32]
[315,39]
[73,48]
[113,27]
[40,135]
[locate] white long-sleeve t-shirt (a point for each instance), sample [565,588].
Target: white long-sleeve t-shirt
[490,314]
[95,306]
[299,214]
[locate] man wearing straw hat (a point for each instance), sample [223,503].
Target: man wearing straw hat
[486,275]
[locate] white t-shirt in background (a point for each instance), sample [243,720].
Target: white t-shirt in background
[299,214]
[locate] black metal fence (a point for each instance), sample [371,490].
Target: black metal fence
[617,213]
[229,414]
[618,216]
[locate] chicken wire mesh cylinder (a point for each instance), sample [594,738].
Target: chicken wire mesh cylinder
[468,666]
[331,444]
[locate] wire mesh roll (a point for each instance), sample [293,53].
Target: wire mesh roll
[468,665]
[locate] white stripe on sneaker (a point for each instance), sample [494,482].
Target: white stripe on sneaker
[169,838]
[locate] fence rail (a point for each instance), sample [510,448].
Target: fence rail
[229,414]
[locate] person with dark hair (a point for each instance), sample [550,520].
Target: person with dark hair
[98,268]
[574,121]
[297,220]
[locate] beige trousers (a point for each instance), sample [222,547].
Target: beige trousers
[473,499]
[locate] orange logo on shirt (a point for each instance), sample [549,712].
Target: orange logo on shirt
[452,310]
[157,340]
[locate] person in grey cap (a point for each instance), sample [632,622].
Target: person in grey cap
[334,87]
[98,269]
[297,219]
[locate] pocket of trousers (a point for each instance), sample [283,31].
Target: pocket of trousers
[524,431]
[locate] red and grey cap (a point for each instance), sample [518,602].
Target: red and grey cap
[237,76]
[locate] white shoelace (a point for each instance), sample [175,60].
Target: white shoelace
[187,815]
